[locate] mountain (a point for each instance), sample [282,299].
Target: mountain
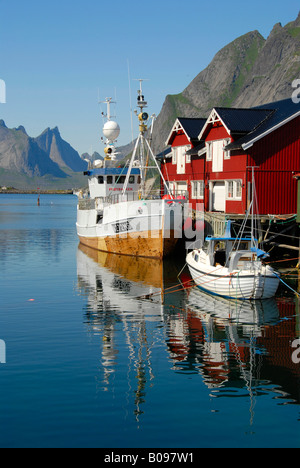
[46,161]
[249,71]
[59,151]
[93,157]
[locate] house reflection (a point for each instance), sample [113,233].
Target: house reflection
[238,348]
[237,344]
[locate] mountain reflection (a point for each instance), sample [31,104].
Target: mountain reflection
[238,348]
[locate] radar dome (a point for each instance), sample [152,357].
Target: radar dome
[111,130]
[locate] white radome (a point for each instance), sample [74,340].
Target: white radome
[98,163]
[111,130]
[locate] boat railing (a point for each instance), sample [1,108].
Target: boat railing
[114,198]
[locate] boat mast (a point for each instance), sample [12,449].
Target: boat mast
[111,131]
[143,127]
[141,144]
[253,206]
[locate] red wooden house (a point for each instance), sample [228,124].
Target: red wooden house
[212,158]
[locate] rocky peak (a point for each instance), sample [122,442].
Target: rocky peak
[250,71]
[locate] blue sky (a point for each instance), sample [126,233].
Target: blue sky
[56,55]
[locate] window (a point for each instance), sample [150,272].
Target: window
[174,156]
[238,189]
[172,187]
[197,189]
[227,154]
[234,190]
[230,189]
[120,179]
[209,151]
[194,190]
[131,179]
[188,156]
[110,180]
[100,180]
[215,152]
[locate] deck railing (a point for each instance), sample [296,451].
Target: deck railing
[95,203]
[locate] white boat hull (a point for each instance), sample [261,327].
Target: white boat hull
[242,284]
[140,228]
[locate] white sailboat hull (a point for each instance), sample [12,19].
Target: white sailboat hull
[260,283]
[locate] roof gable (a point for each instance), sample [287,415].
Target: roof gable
[190,127]
[236,121]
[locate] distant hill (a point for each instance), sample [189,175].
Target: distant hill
[47,161]
[249,71]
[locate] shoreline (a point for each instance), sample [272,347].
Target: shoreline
[36,192]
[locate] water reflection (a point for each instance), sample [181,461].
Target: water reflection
[115,288]
[239,349]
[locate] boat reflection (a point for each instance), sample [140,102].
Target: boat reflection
[129,325]
[238,348]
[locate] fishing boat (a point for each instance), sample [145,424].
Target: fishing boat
[120,214]
[234,267]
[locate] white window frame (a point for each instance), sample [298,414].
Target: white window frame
[188,156]
[174,156]
[197,189]
[240,182]
[227,154]
[210,145]
[209,150]
[234,184]
[172,187]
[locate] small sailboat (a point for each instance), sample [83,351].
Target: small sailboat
[233,267]
[121,215]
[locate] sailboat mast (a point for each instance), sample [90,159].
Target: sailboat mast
[253,207]
[252,210]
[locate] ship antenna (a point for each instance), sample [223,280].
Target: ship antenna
[130,101]
[142,142]
[111,131]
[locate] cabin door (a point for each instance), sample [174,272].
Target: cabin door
[181,160]
[218,196]
[217,164]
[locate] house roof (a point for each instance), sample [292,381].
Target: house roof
[276,115]
[166,153]
[190,126]
[243,120]
[245,125]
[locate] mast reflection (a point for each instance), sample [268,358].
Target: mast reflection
[238,348]
[114,286]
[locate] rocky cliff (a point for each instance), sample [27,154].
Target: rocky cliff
[249,71]
[47,161]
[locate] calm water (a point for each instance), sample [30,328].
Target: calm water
[91,364]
